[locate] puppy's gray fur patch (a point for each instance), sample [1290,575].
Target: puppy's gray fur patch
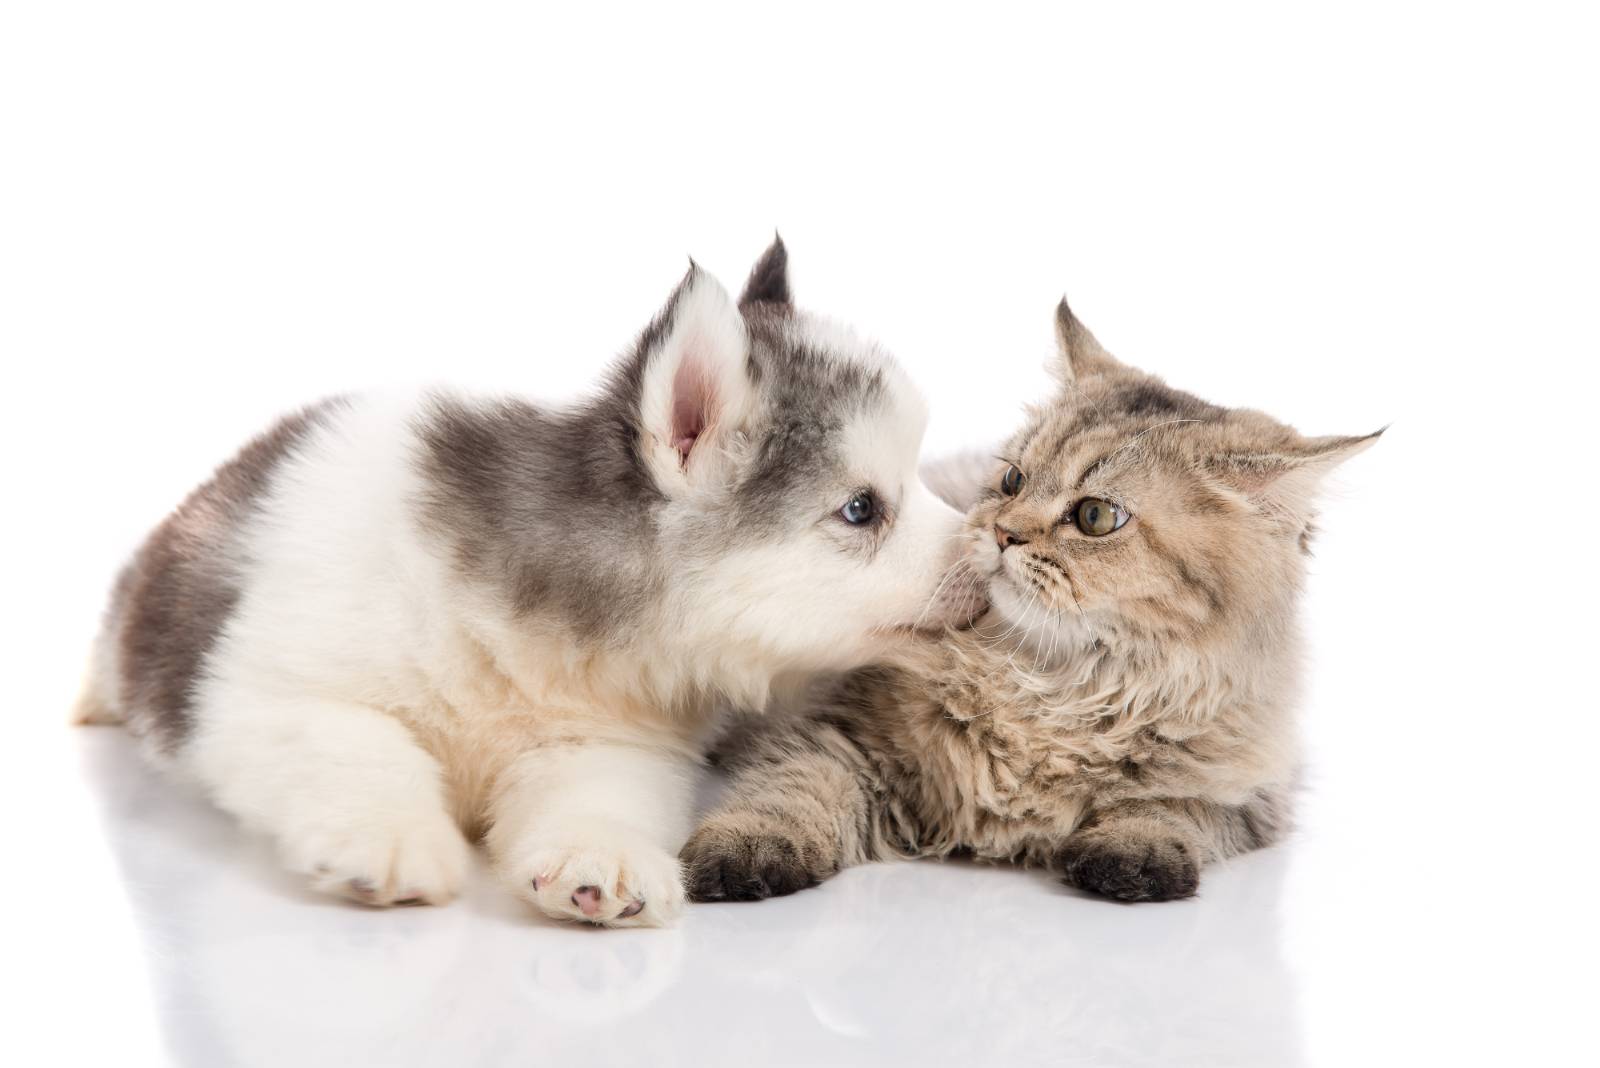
[172,600]
[557,510]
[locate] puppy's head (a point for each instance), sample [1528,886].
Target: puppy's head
[785,450]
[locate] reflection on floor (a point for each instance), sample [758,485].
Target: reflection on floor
[927,963]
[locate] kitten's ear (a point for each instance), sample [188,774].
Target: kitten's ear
[695,389]
[1287,476]
[769,279]
[1081,356]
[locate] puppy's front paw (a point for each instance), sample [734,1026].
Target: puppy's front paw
[728,864]
[603,875]
[412,856]
[1130,869]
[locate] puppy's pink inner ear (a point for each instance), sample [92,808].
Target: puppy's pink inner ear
[694,397]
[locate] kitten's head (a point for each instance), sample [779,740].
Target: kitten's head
[1129,510]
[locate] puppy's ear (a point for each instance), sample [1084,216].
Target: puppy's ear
[769,279]
[695,391]
[1081,356]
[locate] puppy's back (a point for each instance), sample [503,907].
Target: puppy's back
[171,601]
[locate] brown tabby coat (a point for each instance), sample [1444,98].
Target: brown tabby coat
[1124,712]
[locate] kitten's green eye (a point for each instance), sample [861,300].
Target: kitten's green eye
[1011,481]
[1098,518]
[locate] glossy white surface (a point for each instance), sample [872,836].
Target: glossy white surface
[1380,213]
[1321,951]
[947,963]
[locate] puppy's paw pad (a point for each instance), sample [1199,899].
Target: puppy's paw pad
[618,885]
[586,899]
[725,864]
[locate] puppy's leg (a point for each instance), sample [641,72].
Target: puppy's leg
[353,802]
[591,832]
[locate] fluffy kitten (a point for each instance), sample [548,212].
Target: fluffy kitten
[1124,712]
[394,624]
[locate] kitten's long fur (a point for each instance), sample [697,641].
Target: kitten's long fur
[394,624]
[1123,714]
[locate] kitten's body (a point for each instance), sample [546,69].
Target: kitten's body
[1124,713]
[396,623]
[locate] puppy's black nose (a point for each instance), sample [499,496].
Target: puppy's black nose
[1007,538]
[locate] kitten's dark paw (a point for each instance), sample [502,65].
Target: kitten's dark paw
[1139,870]
[722,864]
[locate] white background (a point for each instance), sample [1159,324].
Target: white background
[1349,217]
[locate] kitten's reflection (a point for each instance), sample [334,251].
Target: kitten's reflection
[1012,973]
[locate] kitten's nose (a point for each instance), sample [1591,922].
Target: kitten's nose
[1007,538]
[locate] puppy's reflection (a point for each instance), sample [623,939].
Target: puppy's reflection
[250,968]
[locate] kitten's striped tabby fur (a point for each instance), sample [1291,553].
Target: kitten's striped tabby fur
[1124,713]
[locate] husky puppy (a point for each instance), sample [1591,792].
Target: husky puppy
[393,625]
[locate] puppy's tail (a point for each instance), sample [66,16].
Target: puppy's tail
[96,703]
[91,711]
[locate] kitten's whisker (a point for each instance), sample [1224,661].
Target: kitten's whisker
[1019,624]
[950,573]
[938,589]
[1101,412]
[1077,603]
[1055,635]
[1131,442]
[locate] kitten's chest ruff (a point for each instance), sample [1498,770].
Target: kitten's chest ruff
[1012,759]
[1030,747]
[1004,759]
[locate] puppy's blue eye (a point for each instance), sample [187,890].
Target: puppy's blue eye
[860,509]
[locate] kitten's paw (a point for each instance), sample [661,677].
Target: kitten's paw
[605,876]
[414,856]
[1141,869]
[727,864]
